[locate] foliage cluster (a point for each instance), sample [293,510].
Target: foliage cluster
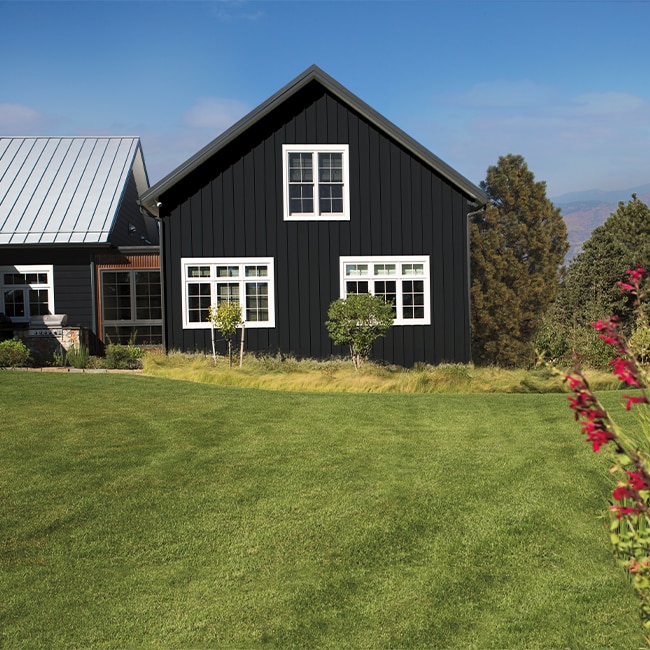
[78,356]
[14,354]
[358,321]
[587,295]
[123,357]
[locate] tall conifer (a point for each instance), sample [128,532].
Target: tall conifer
[518,245]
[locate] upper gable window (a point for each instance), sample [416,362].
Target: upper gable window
[316,182]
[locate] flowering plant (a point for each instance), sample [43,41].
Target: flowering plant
[629,522]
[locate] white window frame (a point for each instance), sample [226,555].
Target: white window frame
[49,286]
[314,150]
[400,275]
[241,279]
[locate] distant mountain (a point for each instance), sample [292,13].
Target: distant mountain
[584,211]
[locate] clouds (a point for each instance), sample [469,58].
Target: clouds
[16,119]
[573,141]
[214,113]
[197,126]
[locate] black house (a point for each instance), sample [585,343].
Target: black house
[311,196]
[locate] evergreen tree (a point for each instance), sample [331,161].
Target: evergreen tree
[589,291]
[518,245]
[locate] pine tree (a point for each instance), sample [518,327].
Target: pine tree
[589,291]
[518,245]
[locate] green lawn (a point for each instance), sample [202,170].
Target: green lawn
[145,512]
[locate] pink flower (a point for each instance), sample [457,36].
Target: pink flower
[634,400]
[636,480]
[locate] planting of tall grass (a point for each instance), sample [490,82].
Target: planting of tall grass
[340,376]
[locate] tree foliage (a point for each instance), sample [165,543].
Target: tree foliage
[518,245]
[590,290]
[358,321]
[226,317]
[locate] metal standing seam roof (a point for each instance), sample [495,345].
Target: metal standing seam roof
[150,198]
[65,190]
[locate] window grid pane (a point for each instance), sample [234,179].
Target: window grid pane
[198,271]
[387,289]
[198,302]
[356,269]
[38,302]
[227,292]
[230,271]
[14,300]
[356,286]
[138,334]
[257,301]
[412,299]
[148,300]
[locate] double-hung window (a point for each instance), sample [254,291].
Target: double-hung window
[403,281]
[26,292]
[211,281]
[316,182]
[132,306]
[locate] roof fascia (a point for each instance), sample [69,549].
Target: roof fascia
[150,198]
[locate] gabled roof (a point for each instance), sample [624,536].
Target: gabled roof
[65,190]
[150,198]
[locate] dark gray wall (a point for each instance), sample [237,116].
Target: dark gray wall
[72,278]
[231,206]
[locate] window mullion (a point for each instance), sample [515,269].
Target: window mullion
[316,183]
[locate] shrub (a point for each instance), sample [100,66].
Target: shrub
[358,321]
[123,357]
[14,354]
[78,356]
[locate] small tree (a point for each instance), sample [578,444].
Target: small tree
[358,321]
[226,317]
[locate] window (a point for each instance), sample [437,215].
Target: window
[316,183]
[26,292]
[404,281]
[211,281]
[132,306]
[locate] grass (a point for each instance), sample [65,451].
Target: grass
[339,376]
[140,512]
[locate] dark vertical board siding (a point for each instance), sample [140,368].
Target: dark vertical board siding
[216,215]
[207,218]
[398,206]
[238,208]
[198,232]
[447,206]
[250,246]
[378,193]
[361,161]
[414,195]
[437,269]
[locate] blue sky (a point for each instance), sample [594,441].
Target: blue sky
[563,83]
